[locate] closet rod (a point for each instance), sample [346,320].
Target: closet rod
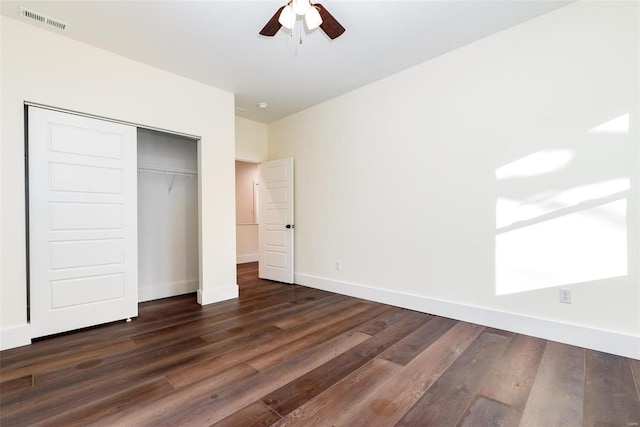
[167,171]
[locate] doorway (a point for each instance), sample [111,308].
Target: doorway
[247,215]
[265,194]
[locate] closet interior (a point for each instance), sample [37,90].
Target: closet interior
[168,261]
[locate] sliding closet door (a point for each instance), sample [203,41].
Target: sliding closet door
[82,221]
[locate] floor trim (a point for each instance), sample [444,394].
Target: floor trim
[165,290]
[16,336]
[595,339]
[243,259]
[210,296]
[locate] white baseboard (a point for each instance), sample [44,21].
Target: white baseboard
[210,296]
[165,290]
[242,259]
[595,339]
[16,336]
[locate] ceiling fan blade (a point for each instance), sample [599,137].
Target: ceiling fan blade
[273,25]
[330,25]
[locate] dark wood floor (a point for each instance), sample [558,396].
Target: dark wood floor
[290,355]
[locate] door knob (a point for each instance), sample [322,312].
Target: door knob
[290,226]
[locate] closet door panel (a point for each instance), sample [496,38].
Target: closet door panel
[86,253]
[83,141]
[86,290]
[82,221]
[86,216]
[75,178]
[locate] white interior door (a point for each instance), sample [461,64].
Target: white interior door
[83,261]
[276,220]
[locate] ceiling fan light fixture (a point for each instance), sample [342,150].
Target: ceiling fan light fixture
[312,18]
[315,15]
[301,7]
[287,17]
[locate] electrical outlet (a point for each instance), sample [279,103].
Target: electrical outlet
[338,265]
[565,296]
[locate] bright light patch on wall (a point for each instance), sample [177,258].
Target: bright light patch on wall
[540,163]
[617,125]
[510,211]
[583,246]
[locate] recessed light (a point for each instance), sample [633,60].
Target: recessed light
[262,105]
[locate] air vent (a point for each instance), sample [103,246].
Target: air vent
[43,19]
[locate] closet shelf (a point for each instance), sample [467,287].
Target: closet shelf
[167,170]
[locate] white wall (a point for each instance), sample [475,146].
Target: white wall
[247,243]
[476,184]
[43,67]
[246,177]
[251,140]
[251,146]
[167,217]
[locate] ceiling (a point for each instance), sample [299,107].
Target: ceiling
[217,42]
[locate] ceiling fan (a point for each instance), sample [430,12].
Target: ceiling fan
[315,15]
